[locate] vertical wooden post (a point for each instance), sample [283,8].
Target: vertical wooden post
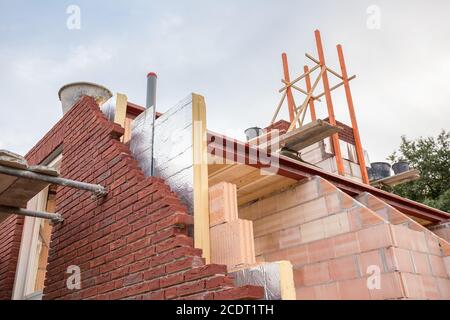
[326,87]
[200,160]
[351,109]
[290,97]
[312,109]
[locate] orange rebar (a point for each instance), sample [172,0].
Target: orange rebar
[287,78]
[351,109]
[326,87]
[312,109]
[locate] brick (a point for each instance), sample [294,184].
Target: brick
[133,279]
[438,266]
[367,217]
[222,203]
[247,292]
[413,286]
[430,287]
[219,281]
[345,244]
[320,250]
[370,258]
[355,289]
[316,273]
[374,237]
[233,243]
[312,231]
[203,271]
[336,224]
[290,237]
[297,255]
[172,280]
[421,263]
[390,287]
[343,268]
[333,202]
[154,273]
[329,291]
[190,288]
[305,293]
[444,288]
[399,260]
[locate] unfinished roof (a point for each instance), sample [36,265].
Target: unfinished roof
[290,170]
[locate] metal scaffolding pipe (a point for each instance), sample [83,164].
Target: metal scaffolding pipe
[96,189]
[54,217]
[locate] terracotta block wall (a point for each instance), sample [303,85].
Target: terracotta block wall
[442,230]
[10,236]
[331,239]
[132,244]
[422,255]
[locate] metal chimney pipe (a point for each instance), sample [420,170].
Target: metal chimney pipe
[151,90]
[151,107]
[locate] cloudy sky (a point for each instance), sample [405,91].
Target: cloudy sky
[230,52]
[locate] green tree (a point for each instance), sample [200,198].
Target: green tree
[432,157]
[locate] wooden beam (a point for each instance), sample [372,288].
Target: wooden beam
[300,90]
[336,86]
[319,63]
[326,87]
[290,97]
[299,78]
[305,103]
[120,113]
[312,108]
[305,136]
[400,178]
[200,155]
[351,110]
[277,110]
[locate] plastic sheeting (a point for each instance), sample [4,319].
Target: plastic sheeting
[172,154]
[266,275]
[109,108]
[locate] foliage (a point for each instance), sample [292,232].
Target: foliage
[432,157]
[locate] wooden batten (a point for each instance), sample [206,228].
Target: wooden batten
[200,157]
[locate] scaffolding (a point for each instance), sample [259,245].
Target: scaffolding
[297,113]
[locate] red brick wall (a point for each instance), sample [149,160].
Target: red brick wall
[10,235]
[134,242]
[281,125]
[347,133]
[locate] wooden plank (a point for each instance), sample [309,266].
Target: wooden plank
[200,156]
[20,192]
[231,174]
[44,170]
[265,188]
[403,177]
[305,136]
[6,181]
[287,285]
[12,160]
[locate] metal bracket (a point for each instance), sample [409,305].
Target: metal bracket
[98,190]
[54,217]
